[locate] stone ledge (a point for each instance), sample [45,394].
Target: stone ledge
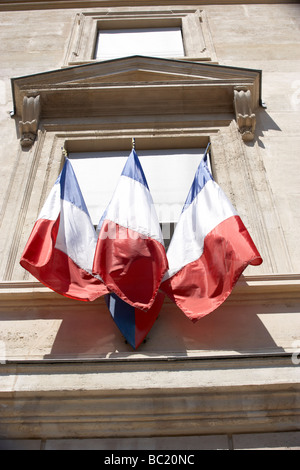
[44,401]
[11,5]
[142,374]
[256,441]
[267,287]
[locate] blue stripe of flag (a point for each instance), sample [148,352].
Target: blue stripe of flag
[202,176]
[123,315]
[69,187]
[133,169]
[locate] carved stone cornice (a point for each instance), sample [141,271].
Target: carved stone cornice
[17,5]
[114,398]
[136,86]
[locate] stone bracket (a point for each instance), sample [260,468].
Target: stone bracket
[245,118]
[30,120]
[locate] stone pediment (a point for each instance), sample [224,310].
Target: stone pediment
[136,86]
[140,75]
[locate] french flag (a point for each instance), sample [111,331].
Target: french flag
[130,255]
[61,247]
[209,250]
[133,323]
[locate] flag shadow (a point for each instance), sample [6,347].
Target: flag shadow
[89,332]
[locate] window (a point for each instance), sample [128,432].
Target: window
[181,33]
[155,42]
[169,173]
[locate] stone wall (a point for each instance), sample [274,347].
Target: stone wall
[259,320]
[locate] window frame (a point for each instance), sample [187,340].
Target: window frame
[196,36]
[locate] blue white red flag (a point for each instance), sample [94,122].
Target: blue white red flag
[133,323]
[209,250]
[130,255]
[61,247]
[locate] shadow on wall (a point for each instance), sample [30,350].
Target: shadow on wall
[89,331]
[264,123]
[67,329]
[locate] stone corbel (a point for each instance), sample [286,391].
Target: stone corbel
[245,118]
[30,120]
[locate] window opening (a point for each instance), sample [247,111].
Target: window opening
[153,42]
[169,173]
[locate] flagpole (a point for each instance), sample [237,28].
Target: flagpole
[64,152]
[207,153]
[207,150]
[133,143]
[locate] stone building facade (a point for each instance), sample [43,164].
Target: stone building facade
[68,379]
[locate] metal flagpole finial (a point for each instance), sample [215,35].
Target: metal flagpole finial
[133,143]
[64,152]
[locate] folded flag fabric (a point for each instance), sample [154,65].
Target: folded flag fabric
[130,255]
[209,250]
[61,247]
[133,323]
